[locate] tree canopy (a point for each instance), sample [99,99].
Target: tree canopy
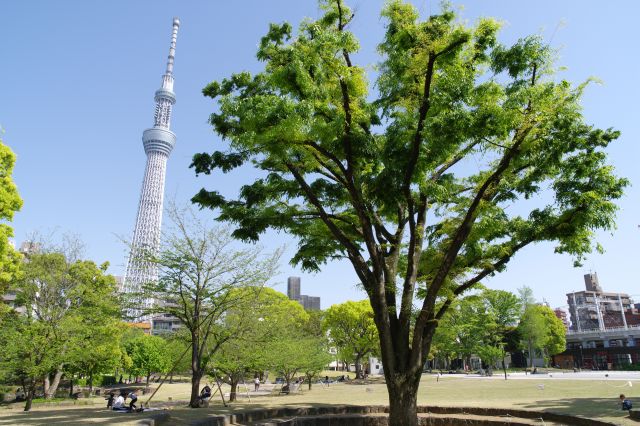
[68,319]
[466,152]
[10,202]
[352,330]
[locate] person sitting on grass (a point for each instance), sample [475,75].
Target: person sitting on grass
[626,404]
[118,404]
[205,394]
[110,400]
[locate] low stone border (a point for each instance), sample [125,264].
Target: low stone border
[154,419]
[370,415]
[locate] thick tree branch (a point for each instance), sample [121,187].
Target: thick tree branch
[354,252]
[485,191]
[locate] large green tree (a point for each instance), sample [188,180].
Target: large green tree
[10,202]
[410,182]
[352,330]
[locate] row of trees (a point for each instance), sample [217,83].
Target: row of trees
[492,323]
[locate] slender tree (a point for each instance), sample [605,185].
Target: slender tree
[503,312]
[200,273]
[411,183]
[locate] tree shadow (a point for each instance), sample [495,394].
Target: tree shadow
[69,416]
[594,408]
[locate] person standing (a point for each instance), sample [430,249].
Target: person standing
[132,403]
[256,384]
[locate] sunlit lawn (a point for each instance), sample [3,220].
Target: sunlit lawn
[589,398]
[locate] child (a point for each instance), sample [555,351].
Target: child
[132,403]
[110,400]
[626,404]
[118,404]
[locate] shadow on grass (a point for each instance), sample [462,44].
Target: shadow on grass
[68,416]
[595,408]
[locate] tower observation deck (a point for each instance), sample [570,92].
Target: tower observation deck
[158,141]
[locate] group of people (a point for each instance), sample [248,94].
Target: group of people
[119,403]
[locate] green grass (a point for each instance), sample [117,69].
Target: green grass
[588,398]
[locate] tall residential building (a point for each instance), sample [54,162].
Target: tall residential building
[158,142]
[293,288]
[595,309]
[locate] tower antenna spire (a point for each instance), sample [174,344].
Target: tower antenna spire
[172,46]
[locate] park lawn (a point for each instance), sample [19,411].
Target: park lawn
[588,398]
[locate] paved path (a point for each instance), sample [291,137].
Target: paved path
[582,375]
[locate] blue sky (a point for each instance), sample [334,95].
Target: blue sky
[76,91]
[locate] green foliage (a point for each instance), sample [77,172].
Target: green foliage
[204,276]
[352,330]
[459,130]
[480,324]
[265,317]
[148,355]
[292,355]
[272,333]
[10,202]
[540,329]
[70,322]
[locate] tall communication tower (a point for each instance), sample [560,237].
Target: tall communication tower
[158,142]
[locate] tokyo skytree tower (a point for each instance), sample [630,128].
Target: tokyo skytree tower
[158,142]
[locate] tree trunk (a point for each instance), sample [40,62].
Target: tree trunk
[71,386]
[196,376]
[90,383]
[45,386]
[504,367]
[234,390]
[148,375]
[530,354]
[171,378]
[359,374]
[31,391]
[403,395]
[51,390]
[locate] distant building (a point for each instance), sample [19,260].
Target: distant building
[562,316]
[605,329]
[309,303]
[293,288]
[144,326]
[29,247]
[595,309]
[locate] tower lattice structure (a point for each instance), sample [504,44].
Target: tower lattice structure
[158,142]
